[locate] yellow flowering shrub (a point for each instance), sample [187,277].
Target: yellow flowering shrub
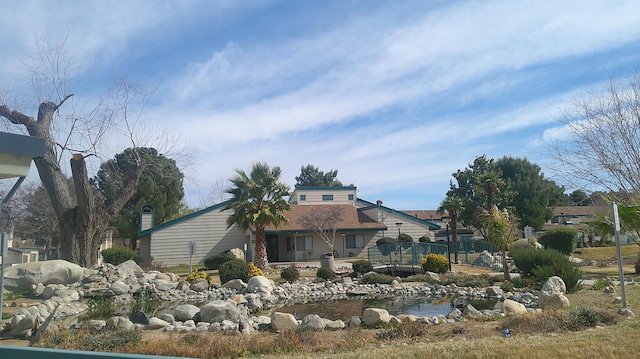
[191,278]
[254,271]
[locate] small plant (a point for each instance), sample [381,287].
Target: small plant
[151,265]
[306,255]
[425,239]
[436,263]
[326,274]
[506,286]
[376,278]
[362,266]
[100,307]
[290,274]
[214,262]
[234,269]
[254,271]
[601,283]
[191,278]
[117,255]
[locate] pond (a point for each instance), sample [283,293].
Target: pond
[418,306]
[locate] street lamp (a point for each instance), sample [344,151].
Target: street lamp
[445,219]
[398,224]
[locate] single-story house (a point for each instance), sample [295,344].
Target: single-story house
[17,254]
[360,225]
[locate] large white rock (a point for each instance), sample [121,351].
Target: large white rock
[20,278]
[237,252]
[312,322]
[552,301]
[554,284]
[219,310]
[259,284]
[185,312]
[511,307]
[373,316]
[283,321]
[129,269]
[525,243]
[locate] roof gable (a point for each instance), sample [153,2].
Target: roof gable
[369,205]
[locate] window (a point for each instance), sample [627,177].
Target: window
[327,197]
[304,243]
[303,197]
[355,241]
[290,244]
[350,197]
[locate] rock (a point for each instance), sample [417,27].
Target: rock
[494,291]
[236,284]
[244,327]
[395,284]
[169,318]
[484,259]
[155,323]
[354,321]
[253,301]
[138,317]
[334,324]
[115,323]
[454,314]
[185,312]
[129,269]
[554,284]
[218,311]
[237,252]
[21,277]
[511,307]
[95,325]
[626,312]
[471,312]
[373,316]
[200,285]
[119,287]
[259,284]
[552,301]
[163,276]
[432,278]
[312,322]
[283,321]
[525,243]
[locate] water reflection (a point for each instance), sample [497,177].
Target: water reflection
[418,306]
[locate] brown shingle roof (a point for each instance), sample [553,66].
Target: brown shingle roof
[582,210]
[351,218]
[426,214]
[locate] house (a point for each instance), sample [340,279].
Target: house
[360,225]
[19,254]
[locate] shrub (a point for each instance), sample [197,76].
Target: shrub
[425,239]
[386,245]
[405,240]
[565,270]
[290,274]
[526,259]
[362,266]
[214,262]
[326,273]
[191,278]
[117,255]
[234,269]
[376,278]
[436,263]
[637,266]
[506,286]
[563,239]
[601,283]
[254,271]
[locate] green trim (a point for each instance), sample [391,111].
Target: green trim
[182,219]
[338,231]
[370,205]
[22,145]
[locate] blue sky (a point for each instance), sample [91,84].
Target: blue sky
[396,95]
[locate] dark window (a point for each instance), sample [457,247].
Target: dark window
[350,197]
[327,197]
[355,241]
[303,197]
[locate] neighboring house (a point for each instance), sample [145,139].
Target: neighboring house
[17,254]
[362,223]
[576,216]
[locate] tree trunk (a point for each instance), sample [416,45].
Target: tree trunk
[260,259]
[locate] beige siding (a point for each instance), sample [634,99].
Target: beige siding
[209,231]
[146,221]
[414,229]
[314,196]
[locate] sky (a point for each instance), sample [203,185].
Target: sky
[395,95]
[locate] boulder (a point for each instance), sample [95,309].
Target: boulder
[354,321]
[115,323]
[312,322]
[129,269]
[373,316]
[236,284]
[283,321]
[554,284]
[218,311]
[119,287]
[334,324]
[494,291]
[525,243]
[552,301]
[155,323]
[21,277]
[237,252]
[200,285]
[471,312]
[511,307]
[185,312]
[259,284]
[432,278]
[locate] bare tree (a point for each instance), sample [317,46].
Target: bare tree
[602,142]
[74,134]
[218,193]
[324,222]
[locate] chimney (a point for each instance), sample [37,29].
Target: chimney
[146,217]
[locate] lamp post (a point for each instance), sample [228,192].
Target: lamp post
[398,224]
[445,219]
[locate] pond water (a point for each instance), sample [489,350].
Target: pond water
[418,306]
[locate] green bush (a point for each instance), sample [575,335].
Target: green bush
[565,270]
[234,269]
[326,274]
[386,245]
[436,263]
[362,266]
[405,240]
[117,255]
[563,239]
[425,239]
[214,262]
[290,274]
[376,278]
[526,259]
[637,266]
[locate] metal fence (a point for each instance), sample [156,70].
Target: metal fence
[468,252]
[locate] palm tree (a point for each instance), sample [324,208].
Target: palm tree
[257,202]
[498,227]
[452,205]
